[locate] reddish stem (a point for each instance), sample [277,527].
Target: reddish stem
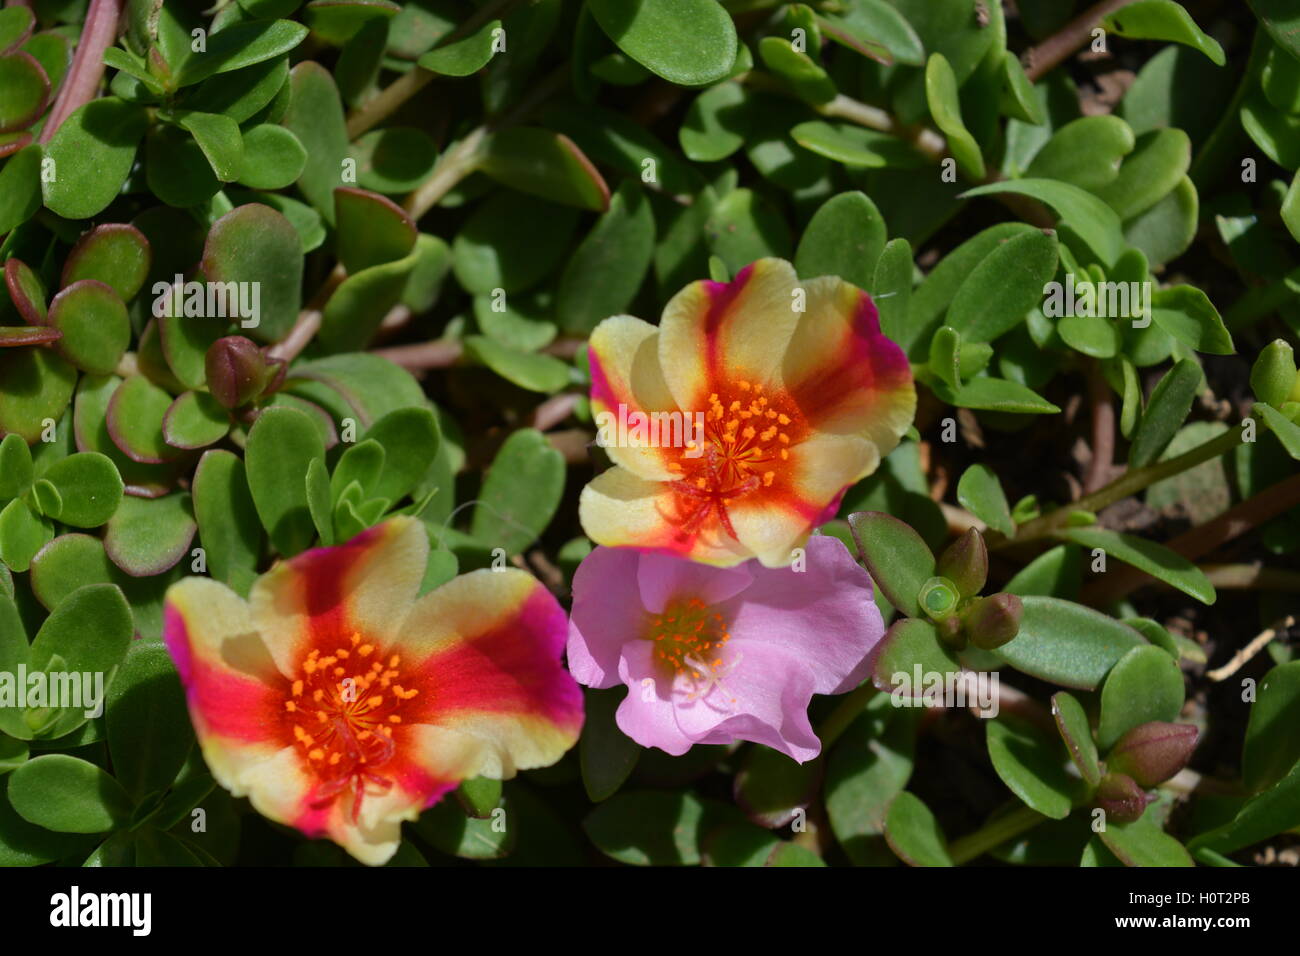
[82,82]
[1103,430]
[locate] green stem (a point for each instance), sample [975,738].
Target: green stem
[843,715]
[1129,483]
[994,834]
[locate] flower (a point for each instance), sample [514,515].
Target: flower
[786,409]
[713,655]
[342,703]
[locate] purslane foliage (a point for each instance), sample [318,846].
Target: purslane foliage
[292,270]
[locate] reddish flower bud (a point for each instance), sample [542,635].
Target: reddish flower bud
[236,371]
[966,563]
[1121,798]
[993,620]
[1152,753]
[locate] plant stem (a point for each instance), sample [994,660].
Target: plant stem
[994,834]
[87,69]
[844,714]
[1129,483]
[1103,429]
[455,165]
[1042,59]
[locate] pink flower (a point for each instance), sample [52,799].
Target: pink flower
[713,655]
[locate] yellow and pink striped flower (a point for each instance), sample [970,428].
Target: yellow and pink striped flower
[799,394]
[342,703]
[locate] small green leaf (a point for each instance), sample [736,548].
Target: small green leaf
[1170,402]
[93,152]
[545,164]
[227,518]
[273,157]
[1144,843]
[149,735]
[90,487]
[909,644]
[1032,766]
[465,56]
[945,108]
[844,238]
[610,264]
[147,536]
[606,755]
[914,834]
[1145,555]
[1271,749]
[15,467]
[62,793]
[520,494]
[195,420]
[649,828]
[1162,20]
[998,293]
[1073,725]
[116,254]
[687,42]
[899,560]
[23,533]
[1144,685]
[1067,643]
[1088,217]
[283,441]
[93,320]
[980,493]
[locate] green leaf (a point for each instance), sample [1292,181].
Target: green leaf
[1073,725]
[511,242]
[1162,20]
[1144,685]
[69,562]
[94,323]
[772,789]
[1032,767]
[909,644]
[90,487]
[237,46]
[980,493]
[372,229]
[898,559]
[147,536]
[1086,152]
[1067,643]
[649,828]
[259,247]
[1082,213]
[945,108]
[134,418]
[998,293]
[610,264]
[800,71]
[537,373]
[1287,432]
[520,494]
[15,466]
[1166,229]
[92,152]
[855,146]
[195,420]
[914,834]
[395,159]
[283,441]
[606,755]
[545,164]
[465,56]
[23,533]
[149,736]
[1157,164]
[1145,555]
[479,796]
[1271,749]
[744,227]
[20,188]
[996,395]
[844,238]
[228,524]
[715,124]
[868,25]
[38,386]
[68,795]
[1270,812]
[687,42]
[114,253]
[315,116]
[1170,402]
[409,438]
[273,157]
[891,287]
[24,90]
[1144,843]
[1018,97]
[1186,313]
[219,138]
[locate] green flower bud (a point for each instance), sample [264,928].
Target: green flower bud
[966,563]
[938,598]
[1152,753]
[1121,798]
[236,371]
[1273,377]
[994,620]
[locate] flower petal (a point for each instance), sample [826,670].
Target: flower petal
[772,522]
[645,715]
[487,647]
[662,578]
[620,509]
[607,612]
[845,375]
[829,605]
[764,699]
[626,379]
[327,594]
[713,331]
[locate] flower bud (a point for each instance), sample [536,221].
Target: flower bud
[949,631]
[1152,753]
[236,371]
[1273,376]
[938,598]
[966,563]
[993,620]
[1121,798]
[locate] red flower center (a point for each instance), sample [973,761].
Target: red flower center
[342,712]
[748,433]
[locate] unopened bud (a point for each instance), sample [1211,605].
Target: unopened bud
[1273,377]
[1152,753]
[1121,798]
[966,563]
[938,598]
[236,371]
[994,620]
